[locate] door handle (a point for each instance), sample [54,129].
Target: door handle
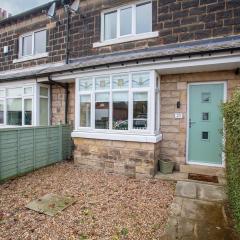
[191,123]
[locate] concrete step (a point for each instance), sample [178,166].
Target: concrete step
[205,170]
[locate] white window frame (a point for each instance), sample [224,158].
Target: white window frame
[91,132]
[133,36]
[4,106]
[34,96]
[33,54]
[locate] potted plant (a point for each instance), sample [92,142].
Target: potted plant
[166,166]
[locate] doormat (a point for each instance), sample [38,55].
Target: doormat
[51,204]
[202,177]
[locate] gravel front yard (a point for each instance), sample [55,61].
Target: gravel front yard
[108,206]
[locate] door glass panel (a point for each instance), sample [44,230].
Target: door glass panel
[205,135]
[126,21]
[110,25]
[43,111]
[144,18]
[102,111]
[120,81]
[14,111]
[140,80]
[85,84]
[27,111]
[120,111]
[102,83]
[206,97]
[1,111]
[205,116]
[140,109]
[85,111]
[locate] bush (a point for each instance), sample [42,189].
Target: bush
[231,112]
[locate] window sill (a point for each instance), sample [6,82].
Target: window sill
[118,137]
[137,37]
[29,58]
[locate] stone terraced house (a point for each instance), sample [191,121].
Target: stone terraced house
[137,80]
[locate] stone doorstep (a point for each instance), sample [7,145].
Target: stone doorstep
[205,170]
[182,176]
[200,191]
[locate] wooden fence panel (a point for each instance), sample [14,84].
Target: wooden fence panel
[23,150]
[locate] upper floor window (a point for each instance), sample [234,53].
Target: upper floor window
[127,21]
[33,43]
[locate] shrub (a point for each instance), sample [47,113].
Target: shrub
[231,112]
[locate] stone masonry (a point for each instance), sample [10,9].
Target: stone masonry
[133,159]
[176,21]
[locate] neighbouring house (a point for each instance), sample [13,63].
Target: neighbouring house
[4,14]
[137,80]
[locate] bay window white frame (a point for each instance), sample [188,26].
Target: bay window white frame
[4,105]
[151,90]
[34,96]
[133,36]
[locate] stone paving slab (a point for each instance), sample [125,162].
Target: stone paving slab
[198,213]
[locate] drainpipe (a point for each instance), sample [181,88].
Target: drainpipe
[66,103]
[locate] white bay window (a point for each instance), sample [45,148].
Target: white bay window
[122,103]
[19,105]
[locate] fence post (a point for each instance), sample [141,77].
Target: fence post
[18,150]
[34,148]
[0,158]
[60,142]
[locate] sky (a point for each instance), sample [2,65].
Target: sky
[18,6]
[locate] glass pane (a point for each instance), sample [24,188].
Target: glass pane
[14,111]
[205,116]
[140,109]
[102,111]
[110,25]
[85,111]
[126,21]
[120,111]
[85,84]
[27,45]
[43,111]
[205,136]
[14,92]
[27,111]
[206,97]
[28,90]
[102,83]
[144,18]
[1,111]
[1,93]
[44,91]
[120,81]
[40,42]
[140,80]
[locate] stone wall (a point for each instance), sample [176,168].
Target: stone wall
[133,159]
[176,20]
[173,89]
[58,104]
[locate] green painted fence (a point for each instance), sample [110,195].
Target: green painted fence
[24,150]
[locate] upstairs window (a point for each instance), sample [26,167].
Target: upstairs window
[127,21]
[33,43]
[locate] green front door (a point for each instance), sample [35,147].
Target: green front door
[205,124]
